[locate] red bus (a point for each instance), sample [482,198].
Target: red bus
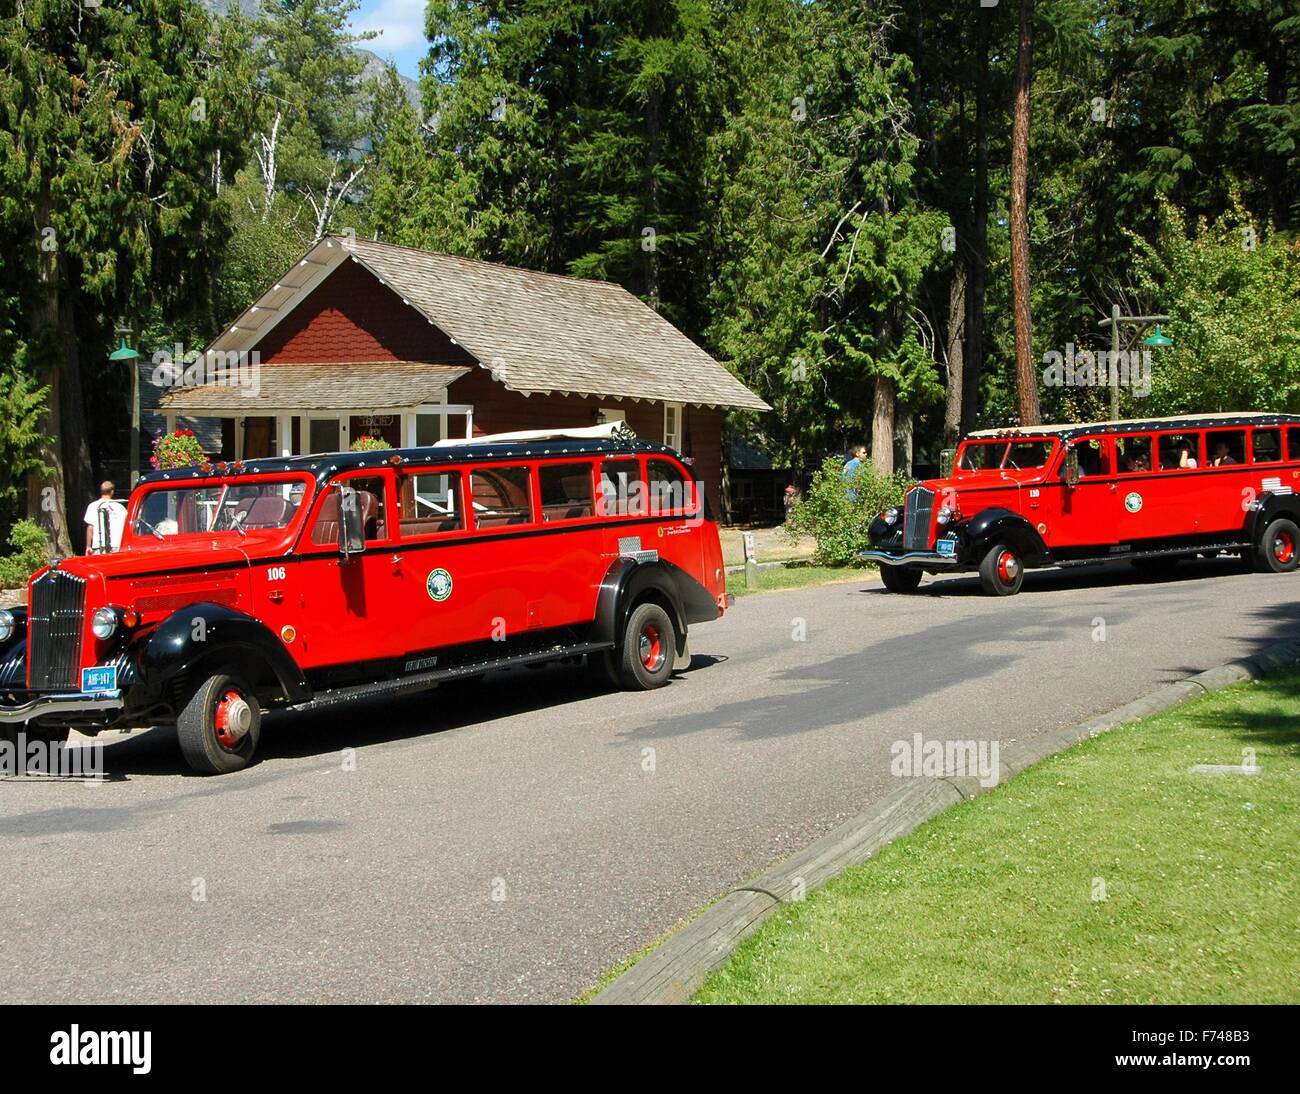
[311,580]
[1151,491]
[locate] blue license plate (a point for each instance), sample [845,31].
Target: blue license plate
[947,547]
[100,678]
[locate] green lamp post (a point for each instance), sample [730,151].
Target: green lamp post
[126,354]
[1159,338]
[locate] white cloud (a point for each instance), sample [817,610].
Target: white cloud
[400,23]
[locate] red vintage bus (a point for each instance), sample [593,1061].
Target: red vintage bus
[311,580]
[1151,491]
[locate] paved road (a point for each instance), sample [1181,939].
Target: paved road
[508,843]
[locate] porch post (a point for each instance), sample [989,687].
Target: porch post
[284,434]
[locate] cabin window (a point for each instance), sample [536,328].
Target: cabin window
[982,457]
[1133,454]
[1025,454]
[622,490]
[566,491]
[1293,443]
[370,503]
[670,491]
[501,496]
[429,503]
[1266,445]
[1179,451]
[673,425]
[1226,446]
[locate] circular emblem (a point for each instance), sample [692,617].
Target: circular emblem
[288,634]
[1133,503]
[439,585]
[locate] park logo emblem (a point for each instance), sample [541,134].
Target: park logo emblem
[439,585]
[1133,503]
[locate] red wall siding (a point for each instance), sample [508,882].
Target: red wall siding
[351,316]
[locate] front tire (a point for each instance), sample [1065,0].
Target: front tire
[900,579]
[1001,570]
[219,728]
[1278,550]
[645,659]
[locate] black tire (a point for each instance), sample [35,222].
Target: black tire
[1278,549]
[1002,571]
[205,747]
[645,659]
[900,579]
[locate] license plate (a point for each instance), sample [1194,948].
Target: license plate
[100,678]
[947,547]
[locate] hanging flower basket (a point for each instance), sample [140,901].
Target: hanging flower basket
[367,443]
[179,448]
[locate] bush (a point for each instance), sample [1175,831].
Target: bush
[28,541]
[367,443]
[837,522]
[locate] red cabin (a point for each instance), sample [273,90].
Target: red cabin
[311,580]
[1148,491]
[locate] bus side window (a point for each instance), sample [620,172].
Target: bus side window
[1266,445]
[1134,454]
[670,491]
[622,491]
[1179,451]
[1293,443]
[1227,446]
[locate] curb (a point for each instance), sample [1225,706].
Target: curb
[674,971]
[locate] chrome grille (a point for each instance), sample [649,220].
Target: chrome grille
[916,519]
[55,627]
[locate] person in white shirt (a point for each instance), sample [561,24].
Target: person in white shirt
[94,525]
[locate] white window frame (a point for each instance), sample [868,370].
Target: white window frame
[673,438]
[444,410]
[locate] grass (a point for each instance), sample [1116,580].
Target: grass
[994,901]
[798,576]
[772,544]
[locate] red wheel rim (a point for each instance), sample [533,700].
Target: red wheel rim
[1284,547]
[651,647]
[231,719]
[1008,567]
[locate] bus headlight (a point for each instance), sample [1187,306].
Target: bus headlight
[6,625]
[946,514]
[103,623]
[890,516]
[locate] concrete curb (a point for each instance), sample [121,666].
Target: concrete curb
[674,971]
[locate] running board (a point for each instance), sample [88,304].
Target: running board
[1164,552]
[417,680]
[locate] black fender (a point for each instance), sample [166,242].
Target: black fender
[990,526]
[627,582]
[13,652]
[202,639]
[1267,508]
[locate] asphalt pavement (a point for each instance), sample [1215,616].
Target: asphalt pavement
[509,841]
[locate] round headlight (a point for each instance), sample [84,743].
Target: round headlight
[890,516]
[946,514]
[6,625]
[103,623]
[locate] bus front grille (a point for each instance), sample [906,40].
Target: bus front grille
[54,628]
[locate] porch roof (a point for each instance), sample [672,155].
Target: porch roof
[362,385]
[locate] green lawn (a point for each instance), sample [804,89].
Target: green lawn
[994,900]
[799,576]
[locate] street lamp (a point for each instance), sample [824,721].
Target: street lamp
[130,356]
[1156,339]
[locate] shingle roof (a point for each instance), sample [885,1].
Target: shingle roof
[374,385]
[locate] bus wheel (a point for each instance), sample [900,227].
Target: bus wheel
[900,579]
[1001,571]
[649,643]
[219,727]
[1278,550]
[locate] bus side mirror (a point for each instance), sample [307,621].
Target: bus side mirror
[352,536]
[1072,466]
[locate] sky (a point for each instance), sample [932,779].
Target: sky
[402,39]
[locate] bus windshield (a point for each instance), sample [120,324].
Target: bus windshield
[229,507]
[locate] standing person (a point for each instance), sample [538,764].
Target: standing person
[857,454]
[116,514]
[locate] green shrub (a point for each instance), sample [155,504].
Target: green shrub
[837,522]
[28,542]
